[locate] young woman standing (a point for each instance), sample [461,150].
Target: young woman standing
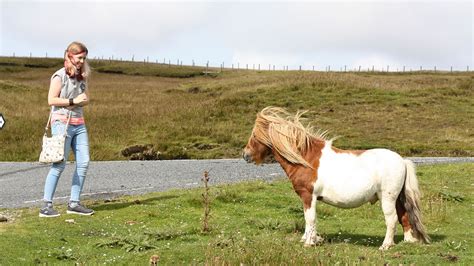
[68,93]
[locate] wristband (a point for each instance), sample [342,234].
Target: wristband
[71,101]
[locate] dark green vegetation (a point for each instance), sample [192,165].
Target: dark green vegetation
[250,223]
[180,112]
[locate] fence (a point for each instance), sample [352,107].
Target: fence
[273,67]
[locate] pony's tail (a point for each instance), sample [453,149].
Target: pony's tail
[411,202]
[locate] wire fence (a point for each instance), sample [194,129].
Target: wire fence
[222,66]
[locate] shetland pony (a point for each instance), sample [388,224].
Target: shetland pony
[342,178]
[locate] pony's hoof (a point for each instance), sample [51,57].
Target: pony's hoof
[385,246]
[306,245]
[408,237]
[319,240]
[302,240]
[411,240]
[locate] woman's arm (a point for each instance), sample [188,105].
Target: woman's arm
[54,91]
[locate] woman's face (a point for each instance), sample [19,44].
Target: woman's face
[79,59]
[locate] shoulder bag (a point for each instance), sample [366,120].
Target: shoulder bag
[53,147]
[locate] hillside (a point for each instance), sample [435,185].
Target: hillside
[180,112]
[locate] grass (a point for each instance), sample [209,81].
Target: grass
[182,113]
[250,223]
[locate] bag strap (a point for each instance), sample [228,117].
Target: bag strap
[49,119]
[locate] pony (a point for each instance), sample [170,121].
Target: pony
[342,178]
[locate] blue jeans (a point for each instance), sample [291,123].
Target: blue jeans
[77,140]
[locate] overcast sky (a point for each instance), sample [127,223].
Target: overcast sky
[281,33]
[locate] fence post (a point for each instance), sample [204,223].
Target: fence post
[467,68]
[451,69]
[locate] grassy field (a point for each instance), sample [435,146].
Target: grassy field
[250,223]
[181,113]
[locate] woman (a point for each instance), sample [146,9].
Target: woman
[67,95]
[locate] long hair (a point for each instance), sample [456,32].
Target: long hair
[277,129]
[71,70]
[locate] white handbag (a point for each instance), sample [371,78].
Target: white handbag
[53,147]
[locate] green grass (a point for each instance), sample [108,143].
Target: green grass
[184,114]
[251,223]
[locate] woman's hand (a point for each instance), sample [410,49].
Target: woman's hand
[81,99]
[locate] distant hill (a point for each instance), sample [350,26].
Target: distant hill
[194,112]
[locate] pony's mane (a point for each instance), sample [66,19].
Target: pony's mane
[285,133]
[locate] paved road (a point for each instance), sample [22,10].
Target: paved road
[21,184]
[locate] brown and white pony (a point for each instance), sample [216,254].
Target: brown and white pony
[342,178]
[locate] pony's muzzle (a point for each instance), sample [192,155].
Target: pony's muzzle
[247,157]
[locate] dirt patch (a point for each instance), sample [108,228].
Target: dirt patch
[141,152]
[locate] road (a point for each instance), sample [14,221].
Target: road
[21,183]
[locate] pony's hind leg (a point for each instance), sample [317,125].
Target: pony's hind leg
[389,211]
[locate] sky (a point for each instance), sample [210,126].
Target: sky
[378,33]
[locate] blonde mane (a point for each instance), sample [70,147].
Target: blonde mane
[285,133]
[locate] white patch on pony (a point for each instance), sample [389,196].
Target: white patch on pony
[348,180]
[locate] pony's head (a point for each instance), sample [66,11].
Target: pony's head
[256,151]
[276,130]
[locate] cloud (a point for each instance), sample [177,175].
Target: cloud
[281,33]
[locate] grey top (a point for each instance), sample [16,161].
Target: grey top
[70,88]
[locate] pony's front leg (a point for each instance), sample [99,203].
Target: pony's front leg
[310,237]
[306,227]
